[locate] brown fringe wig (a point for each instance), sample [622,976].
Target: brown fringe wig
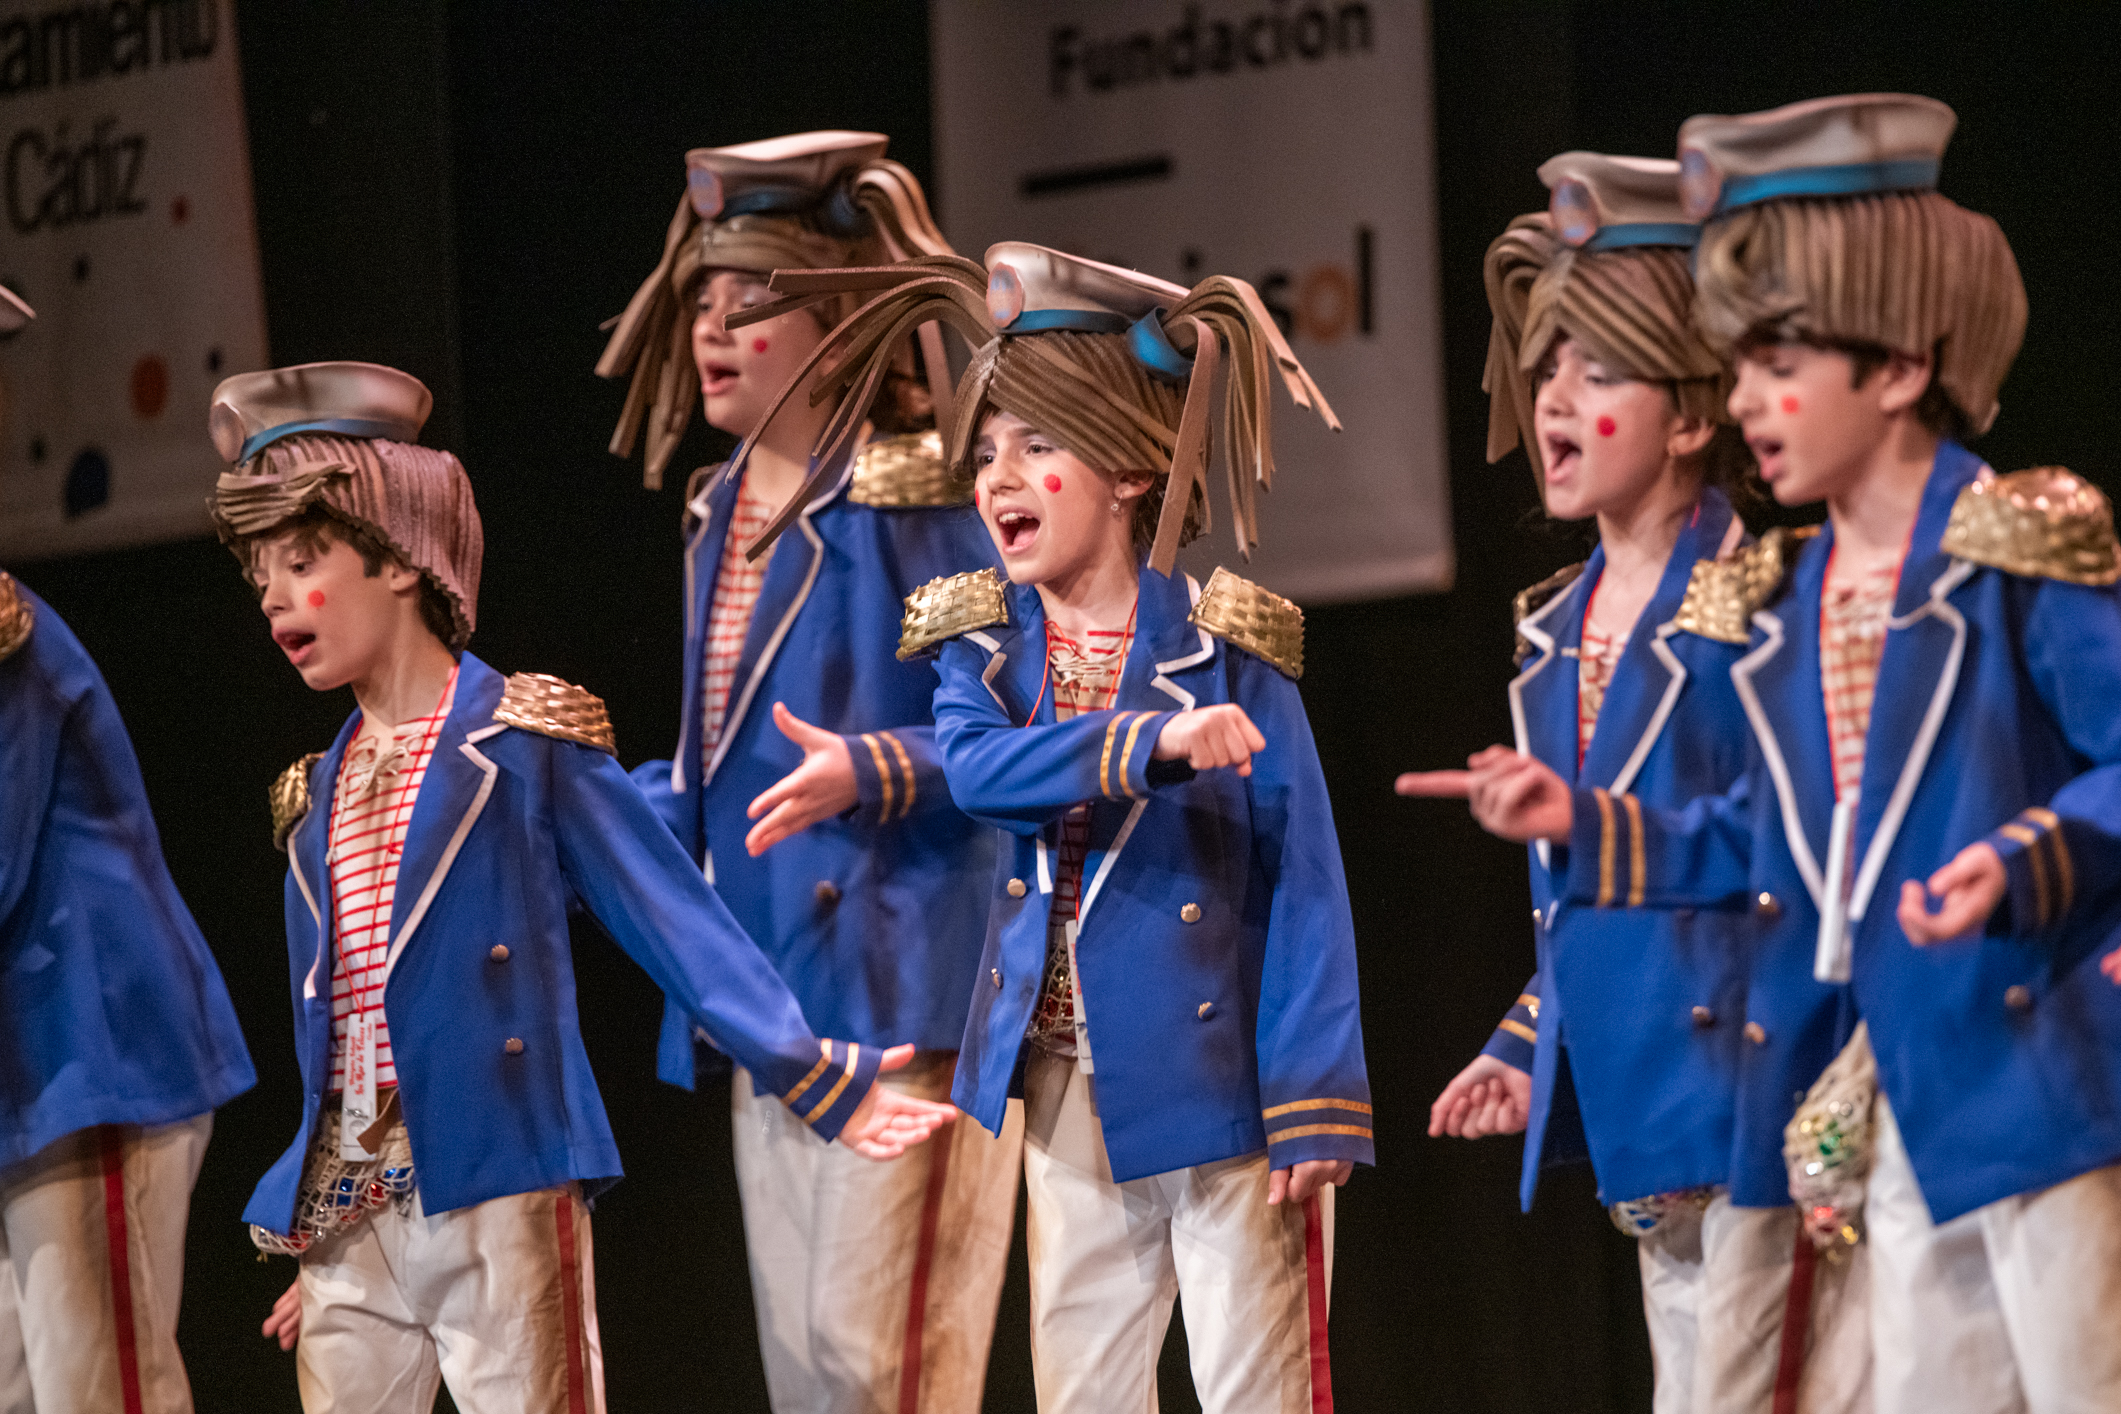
[412,501]
[1912,272]
[1086,391]
[1630,307]
[652,339]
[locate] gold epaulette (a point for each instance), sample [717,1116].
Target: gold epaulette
[1529,601]
[946,607]
[904,471]
[1721,595]
[290,799]
[17,618]
[1257,620]
[539,703]
[2045,523]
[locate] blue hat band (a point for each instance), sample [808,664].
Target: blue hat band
[769,201]
[1844,179]
[1643,233]
[1152,348]
[344,426]
[1080,321]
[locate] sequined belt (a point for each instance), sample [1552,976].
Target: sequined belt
[1639,1217]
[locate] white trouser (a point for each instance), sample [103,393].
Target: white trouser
[499,1299]
[876,1283]
[1107,1258]
[1716,1293]
[2012,1307]
[66,1347]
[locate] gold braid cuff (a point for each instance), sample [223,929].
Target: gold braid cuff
[1257,620]
[290,799]
[949,606]
[1722,595]
[16,617]
[2044,523]
[901,472]
[550,707]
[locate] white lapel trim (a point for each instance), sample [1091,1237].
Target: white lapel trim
[1932,722]
[1764,730]
[1162,683]
[1045,873]
[700,510]
[1665,704]
[1543,644]
[733,719]
[294,867]
[994,665]
[456,842]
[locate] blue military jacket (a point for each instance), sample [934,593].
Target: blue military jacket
[511,825]
[874,919]
[1215,947]
[1641,1010]
[1994,719]
[111,1008]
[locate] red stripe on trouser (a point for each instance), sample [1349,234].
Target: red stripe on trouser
[1315,1279]
[1796,1323]
[571,1304]
[121,1266]
[909,1368]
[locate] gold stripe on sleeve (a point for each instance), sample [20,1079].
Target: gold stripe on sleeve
[883,775]
[1126,752]
[1354,1106]
[2042,899]
[854,1051]
[1638,867]
[1518,1028]
[1104,765]
[2065,870]
[824,1064]
[905,763]
[1605,847]
[1304,1131]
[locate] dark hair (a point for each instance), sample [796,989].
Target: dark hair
[314,529]
[1935,409]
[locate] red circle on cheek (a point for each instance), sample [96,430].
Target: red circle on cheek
[316,598]
[1053,483]
[1607,427]
[1789,404]
[760,346]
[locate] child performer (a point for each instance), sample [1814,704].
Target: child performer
[451,1130]
[1169,980]
[117,1040]
[1627,1039]
[825,824]
[1932,798]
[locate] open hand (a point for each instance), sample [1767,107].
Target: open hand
[1487,1097]
[1512,795]
[823,786]
[285,1322]
[1306,1178]
[1207,737]
[1967,891]
[886,1124]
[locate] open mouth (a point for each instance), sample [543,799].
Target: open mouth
[717,378]
[1559,450]
[294,642]
[1018,531]
[1767,451]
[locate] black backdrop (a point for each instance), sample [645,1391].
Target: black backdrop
[466,191]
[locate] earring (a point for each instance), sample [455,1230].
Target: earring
[1115,508]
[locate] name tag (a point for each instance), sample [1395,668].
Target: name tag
[358,1103]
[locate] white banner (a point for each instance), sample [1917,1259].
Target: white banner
[128,228]
[1287,143]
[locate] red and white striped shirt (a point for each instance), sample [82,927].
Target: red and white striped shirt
[736,594]
[1085,678]
[370,811]
[1852,618]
